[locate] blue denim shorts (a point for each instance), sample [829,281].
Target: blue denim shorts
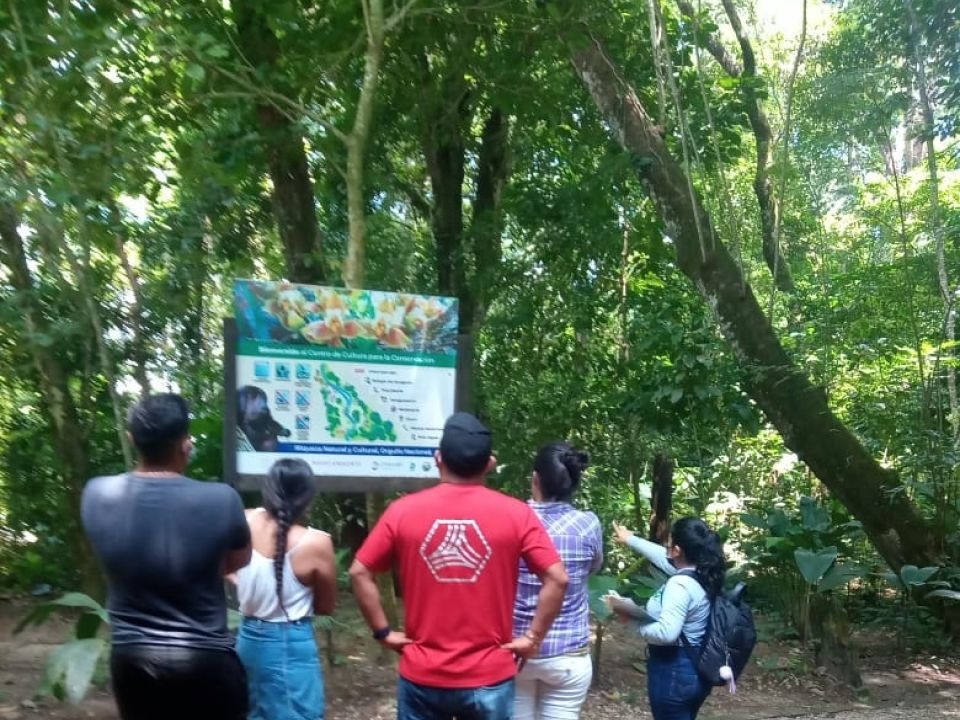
[284,677]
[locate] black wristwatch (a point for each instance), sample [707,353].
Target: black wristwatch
[381,633]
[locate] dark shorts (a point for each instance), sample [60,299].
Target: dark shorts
[155,682]
[419,702]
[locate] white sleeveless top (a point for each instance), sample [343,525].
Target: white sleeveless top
[257,589]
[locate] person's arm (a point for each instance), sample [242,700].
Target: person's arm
[554,586]
[239,547]
[542,558]
[656,554]
[368,598]
[376,556]
[674,605]
[324,574]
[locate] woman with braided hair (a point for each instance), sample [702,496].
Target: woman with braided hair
[291,577]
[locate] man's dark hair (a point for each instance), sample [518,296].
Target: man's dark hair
[156,424]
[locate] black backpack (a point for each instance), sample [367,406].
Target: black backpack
[730,638]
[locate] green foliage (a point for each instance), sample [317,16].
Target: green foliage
[70,669]
[137,166]
[598,586]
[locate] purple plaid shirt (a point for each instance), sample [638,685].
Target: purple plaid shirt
[579,541]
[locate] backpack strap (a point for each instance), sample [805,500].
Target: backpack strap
[692,650]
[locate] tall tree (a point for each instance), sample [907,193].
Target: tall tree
[797,408]
[282,138]
[71,436]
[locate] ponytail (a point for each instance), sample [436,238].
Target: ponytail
[702,547]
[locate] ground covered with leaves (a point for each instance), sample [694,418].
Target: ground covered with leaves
[907,684]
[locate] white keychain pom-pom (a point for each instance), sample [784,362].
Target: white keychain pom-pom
[726,673]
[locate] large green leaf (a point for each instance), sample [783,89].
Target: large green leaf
[753,520]
[839,575]
[912,575]
[69,669]
[79,600]
[71,600]
[598,586]
[893,580]
[813,516]
[945,594]
[234,618]
[814,565]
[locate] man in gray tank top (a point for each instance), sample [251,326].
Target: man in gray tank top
[165,542]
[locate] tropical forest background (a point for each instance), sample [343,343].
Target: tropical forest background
[714,242]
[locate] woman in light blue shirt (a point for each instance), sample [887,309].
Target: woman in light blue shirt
[695,563]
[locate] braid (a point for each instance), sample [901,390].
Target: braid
[279,555]
[287,492]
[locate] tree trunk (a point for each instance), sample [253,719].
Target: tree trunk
[760,125]
[446,117]
[107,365]
[59,404]
[661,499]
[135,307]
[486,224]
[293,199]
[353,268]
[797,408]
[835,650]
[929,130]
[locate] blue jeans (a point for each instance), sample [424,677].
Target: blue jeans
[420,702]
[676,690]
[284,677]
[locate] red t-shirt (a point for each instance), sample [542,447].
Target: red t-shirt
[457,549]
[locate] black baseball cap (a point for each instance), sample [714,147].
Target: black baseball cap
[466,445]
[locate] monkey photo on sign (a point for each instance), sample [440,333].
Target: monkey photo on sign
[256,422]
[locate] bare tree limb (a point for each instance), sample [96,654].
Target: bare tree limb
[762,186]
[711,42]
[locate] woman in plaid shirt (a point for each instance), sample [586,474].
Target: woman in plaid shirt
[553,686]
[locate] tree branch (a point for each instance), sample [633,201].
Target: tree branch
[712,43]
[762,187]
[793,404]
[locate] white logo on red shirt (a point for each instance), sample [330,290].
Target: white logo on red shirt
[455,551]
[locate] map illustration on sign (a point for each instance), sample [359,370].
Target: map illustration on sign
[348,416]
[357,382]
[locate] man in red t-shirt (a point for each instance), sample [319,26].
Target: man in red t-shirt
[457,548]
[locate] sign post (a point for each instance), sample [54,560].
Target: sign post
[356,382]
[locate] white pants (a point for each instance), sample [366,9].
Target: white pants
[552,688]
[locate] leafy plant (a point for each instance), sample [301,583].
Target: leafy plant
[907,582]
[69,670]
[799,556]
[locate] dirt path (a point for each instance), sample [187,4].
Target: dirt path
[921,713]
[779,685]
